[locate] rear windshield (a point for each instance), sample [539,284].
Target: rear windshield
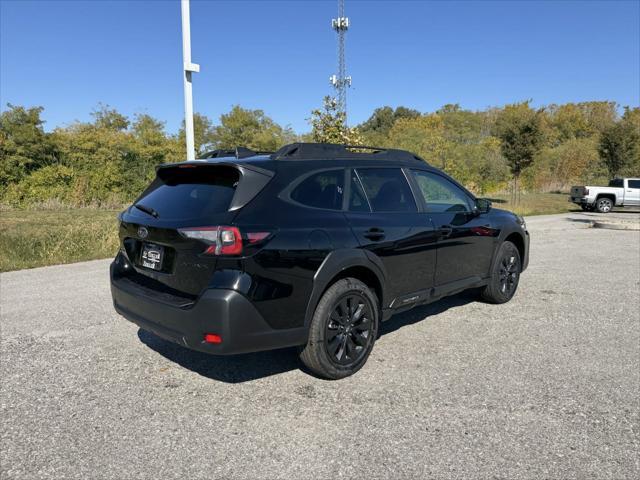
[194,193]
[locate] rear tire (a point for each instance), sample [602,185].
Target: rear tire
[343,330]
[604,205]
[505,275]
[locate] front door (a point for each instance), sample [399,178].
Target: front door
[384,216]
[632,193]
[465,239]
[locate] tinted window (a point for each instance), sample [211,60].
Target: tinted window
[322,190]
[634,183]
[357,200]
[440,194]
[616,182]
[387,190]
[193,193]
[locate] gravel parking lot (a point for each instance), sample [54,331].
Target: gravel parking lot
[546,386]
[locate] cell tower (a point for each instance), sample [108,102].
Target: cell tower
[341,81]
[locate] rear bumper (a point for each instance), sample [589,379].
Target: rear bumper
[220,311]
[579,200]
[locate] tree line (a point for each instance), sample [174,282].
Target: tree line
[110,159]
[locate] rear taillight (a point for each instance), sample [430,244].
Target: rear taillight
[585,191]
[222,240]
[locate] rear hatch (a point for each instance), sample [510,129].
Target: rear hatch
[171,234]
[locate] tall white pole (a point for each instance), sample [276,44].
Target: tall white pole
[189,68]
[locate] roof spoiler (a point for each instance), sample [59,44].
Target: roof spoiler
[238,152]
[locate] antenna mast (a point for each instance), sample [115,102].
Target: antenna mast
[341,81]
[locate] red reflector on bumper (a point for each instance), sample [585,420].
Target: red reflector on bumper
[212,338]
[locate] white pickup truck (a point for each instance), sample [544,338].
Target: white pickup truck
[621,192]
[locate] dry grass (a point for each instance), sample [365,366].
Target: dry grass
[35,238]
[536,203]
[31,238]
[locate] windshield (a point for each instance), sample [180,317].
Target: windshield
[616,182]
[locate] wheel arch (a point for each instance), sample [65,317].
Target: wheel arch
[516,237]
[610,196]
[341,264]
[518,240]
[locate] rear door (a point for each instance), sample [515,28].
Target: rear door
[465,239]
[385,217]
[632,192]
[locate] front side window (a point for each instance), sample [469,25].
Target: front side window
[321,190]
[441,195]
[387,190]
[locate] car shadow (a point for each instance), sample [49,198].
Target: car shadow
[417,314]
[224,368]
[252,366]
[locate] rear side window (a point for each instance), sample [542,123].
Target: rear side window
[616,182]
[440,194]
[321,190]
[357,199]
[387,190]
[634,183]
[194,193]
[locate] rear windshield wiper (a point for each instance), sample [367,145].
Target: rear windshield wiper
[146,209]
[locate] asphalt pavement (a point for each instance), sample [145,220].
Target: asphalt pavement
[546,386]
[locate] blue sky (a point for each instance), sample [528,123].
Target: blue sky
[277,56]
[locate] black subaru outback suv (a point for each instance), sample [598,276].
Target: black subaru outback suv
[311,246]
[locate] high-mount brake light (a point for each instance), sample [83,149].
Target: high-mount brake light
[222,240]
[187,165]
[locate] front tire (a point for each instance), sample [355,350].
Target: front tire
[604,205]
[505,275]
[343,330]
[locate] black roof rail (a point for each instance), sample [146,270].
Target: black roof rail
[301,151]
[238,152]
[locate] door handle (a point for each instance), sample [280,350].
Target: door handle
[374,234]
[446,230]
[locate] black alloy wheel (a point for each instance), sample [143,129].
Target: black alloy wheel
[349,329]
[343,330]
[505,275]
[508,274]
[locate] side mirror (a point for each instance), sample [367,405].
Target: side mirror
[483,205]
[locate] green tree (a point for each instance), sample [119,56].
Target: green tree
[422,135]
[579,120]
[204,135]
[109,118]
[376,128]
[520,130]
[328,125]
[463,126]
[148,129]
[24,145]
[620,144]
[250,128]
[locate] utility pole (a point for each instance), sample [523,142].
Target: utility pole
[341,81]
[189,68]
